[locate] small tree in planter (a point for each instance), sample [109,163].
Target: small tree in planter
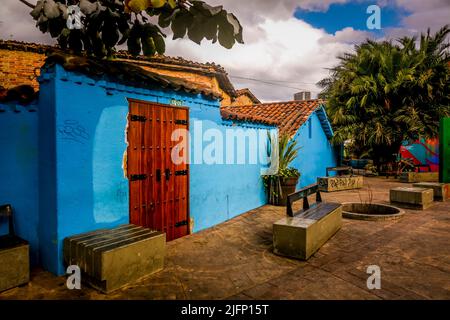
[280,185]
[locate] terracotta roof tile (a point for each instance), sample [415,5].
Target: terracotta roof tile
[288,116]
[228,114]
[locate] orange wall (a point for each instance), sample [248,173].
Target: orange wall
[20,67]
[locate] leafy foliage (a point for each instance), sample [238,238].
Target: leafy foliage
[108,23]
[386,93]
[287,152]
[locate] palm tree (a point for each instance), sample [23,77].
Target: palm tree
[386,93]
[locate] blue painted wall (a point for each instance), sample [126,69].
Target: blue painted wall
[19,171]
[316,153]
[83,141]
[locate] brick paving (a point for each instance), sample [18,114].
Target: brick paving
[234,260]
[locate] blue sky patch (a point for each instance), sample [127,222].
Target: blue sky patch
[352,14]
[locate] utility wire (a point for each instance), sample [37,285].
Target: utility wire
[270,83]
[280,81]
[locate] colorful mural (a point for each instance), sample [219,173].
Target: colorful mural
[423,152]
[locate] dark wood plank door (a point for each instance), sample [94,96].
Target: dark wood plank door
[159,187]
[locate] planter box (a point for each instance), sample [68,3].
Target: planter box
[14,262]
[411,177]
[340,183]
[412,198]
[441,190]
[299,237]
[110,259]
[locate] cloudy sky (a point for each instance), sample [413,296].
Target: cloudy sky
[289,44]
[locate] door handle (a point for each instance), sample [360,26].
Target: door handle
[158,175]
[168,174]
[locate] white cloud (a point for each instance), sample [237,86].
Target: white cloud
[278,46]
[287,50]
[348,35]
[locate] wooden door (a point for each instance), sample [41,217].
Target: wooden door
[159,188]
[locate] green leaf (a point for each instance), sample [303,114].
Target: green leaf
[206,9]
[181,22]
[164,19]
[88,7]
[226,35]
[158,3]
[51,9]
[110,34]
[196,31]
[75,42]
[148,46]
[134,39]
[172,3]
[36,12]
[124,38]
[160,44]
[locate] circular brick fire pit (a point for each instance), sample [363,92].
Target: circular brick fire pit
[371,212]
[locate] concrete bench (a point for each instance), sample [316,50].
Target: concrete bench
[345,170]
[412,177]
[340,183]
[112,258]
[412,198]
[441,190]
[301,233]
[14,255]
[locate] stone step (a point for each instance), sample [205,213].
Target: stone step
[441,190]
[412,177]
[412,197]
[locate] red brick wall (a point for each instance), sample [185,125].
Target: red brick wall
[20,67]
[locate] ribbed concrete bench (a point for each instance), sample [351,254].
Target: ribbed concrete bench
[441,190]
[112,258]
[412,177]
[302,233]
[412,198]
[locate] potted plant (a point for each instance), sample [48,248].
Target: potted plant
[283,183]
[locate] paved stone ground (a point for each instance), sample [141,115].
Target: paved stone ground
[234,260]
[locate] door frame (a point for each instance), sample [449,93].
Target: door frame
[157,104]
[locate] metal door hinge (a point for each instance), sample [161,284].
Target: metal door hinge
[181,173]
[137,177]
[183,122]
[135,117]
[181,223]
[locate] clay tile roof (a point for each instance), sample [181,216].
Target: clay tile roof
[126,73]
[288,116]
[228,114]
[179,63]
[246,91]
[158,61]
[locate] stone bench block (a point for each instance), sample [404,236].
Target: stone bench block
[340,183]
[412,198]
[299,238]
[14,262]
[412,177]
[441,190]
[110,259]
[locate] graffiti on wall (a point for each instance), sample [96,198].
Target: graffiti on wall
[423,152]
